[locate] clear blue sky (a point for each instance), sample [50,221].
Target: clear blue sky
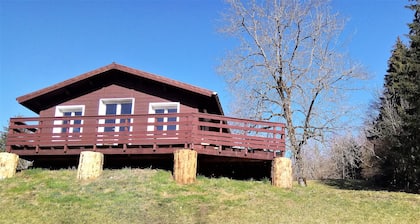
[44,42]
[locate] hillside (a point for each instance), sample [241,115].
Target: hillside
[151,196]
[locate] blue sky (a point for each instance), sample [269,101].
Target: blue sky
[44,42]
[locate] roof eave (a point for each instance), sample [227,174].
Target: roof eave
[25,99]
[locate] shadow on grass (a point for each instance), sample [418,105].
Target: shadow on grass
[352,184]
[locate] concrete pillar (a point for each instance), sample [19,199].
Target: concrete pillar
[8,164]
[90,165]
[185,166]
[281,172]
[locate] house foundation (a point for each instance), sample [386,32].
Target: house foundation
[281,172]
[185,166]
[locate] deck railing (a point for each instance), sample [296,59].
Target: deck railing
[146,133]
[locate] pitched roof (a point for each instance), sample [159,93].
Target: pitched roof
[87,82]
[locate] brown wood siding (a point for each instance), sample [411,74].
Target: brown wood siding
[141,104]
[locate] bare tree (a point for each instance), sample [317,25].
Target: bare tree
[317,163]
[346,157]
[381,131]
[3,139]
[289,67]
[389,121]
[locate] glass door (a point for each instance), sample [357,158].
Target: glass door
[123,108]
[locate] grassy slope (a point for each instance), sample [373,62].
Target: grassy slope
[151,196]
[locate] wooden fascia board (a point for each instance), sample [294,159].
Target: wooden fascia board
[164,80]
[112,66]
[63,84]
[219,105]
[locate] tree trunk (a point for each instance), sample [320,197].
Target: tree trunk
[300,171]
[291,133]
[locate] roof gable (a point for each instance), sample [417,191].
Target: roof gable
[105,76]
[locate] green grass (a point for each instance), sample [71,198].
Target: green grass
[151,196]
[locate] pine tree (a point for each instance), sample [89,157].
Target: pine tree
[388,125]
[410,136]
[396,130]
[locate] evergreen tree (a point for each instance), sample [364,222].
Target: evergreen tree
[410,136]
[396,130]
[388,125]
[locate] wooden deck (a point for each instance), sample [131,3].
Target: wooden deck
[146,134]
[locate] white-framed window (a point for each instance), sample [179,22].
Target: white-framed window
[67,112]
[169,108]
[116,106]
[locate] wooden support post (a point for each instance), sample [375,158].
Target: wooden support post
[8,164]
[185,166]
[281,172]
[90,165]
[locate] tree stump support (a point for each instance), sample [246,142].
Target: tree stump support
[281,172]
[90,165]
[185,166]
[8,164]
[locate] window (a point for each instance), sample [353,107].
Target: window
[116,107]
[69,125]
[164,108]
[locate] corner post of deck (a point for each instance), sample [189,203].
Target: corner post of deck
[9,133]
[90,165]
[8,164]
[281,172]
[185,166]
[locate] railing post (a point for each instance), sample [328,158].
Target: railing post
[9,134]
[38,137]
[220,132]
[187,131]
[193,131]
[275,141]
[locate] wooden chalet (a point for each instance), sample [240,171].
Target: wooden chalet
[137,118]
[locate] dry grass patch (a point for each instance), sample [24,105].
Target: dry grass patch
[152,196]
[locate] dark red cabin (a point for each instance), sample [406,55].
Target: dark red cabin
[134,118]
